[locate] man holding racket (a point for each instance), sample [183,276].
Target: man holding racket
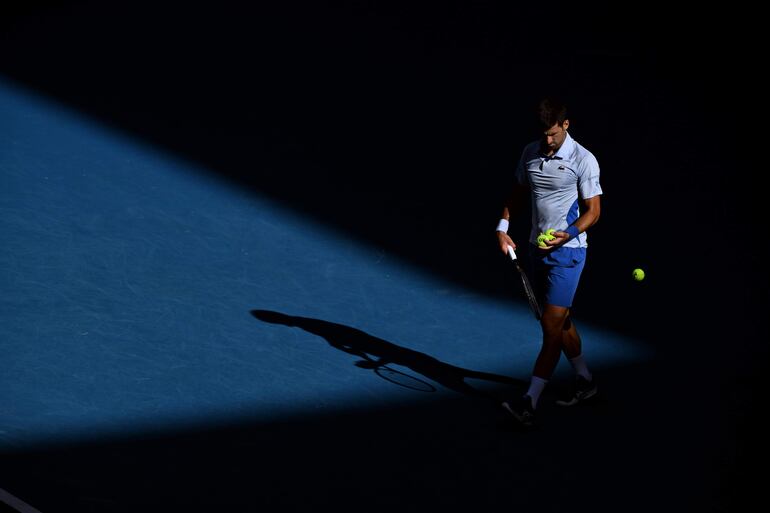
[561,178]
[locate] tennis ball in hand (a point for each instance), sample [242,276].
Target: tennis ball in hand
[549,233]
[541,240]
[638,274]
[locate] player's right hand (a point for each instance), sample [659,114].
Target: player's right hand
[505,241]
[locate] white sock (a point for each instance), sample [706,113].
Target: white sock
[536,386]
[581,369]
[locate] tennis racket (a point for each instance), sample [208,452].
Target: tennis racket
[533,304]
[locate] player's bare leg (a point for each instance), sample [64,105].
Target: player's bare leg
[584,386]
[571,343]
[552,322]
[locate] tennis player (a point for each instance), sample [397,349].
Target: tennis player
[562,179]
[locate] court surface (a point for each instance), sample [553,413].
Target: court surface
[132,280]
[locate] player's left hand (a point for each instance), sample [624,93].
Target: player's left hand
[559,238]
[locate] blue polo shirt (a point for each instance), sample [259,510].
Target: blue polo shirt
[556,183]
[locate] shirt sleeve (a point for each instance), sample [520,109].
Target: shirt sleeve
[588,178]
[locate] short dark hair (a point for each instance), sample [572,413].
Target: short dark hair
[551,111]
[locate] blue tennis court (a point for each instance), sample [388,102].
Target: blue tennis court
[133,275]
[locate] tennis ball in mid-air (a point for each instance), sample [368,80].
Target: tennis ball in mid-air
[638,274]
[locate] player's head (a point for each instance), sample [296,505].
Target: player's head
[552,114]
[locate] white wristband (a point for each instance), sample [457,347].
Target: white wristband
[502,226]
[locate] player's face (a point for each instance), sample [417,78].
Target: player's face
[554,136]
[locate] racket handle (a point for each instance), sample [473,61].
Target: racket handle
[511,253]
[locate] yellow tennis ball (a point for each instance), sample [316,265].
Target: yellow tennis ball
[549,233]
[638,274]
[541,240]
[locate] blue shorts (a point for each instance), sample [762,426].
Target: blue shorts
[556,274]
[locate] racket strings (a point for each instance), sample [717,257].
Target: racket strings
[531,297]
[529,291]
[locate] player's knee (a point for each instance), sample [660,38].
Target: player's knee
[551,328]
[553,319]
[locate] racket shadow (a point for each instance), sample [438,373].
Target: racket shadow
[402,379]
[378,354]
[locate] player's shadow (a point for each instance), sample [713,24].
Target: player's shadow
[376,353]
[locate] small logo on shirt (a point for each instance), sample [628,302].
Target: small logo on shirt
[561,168]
